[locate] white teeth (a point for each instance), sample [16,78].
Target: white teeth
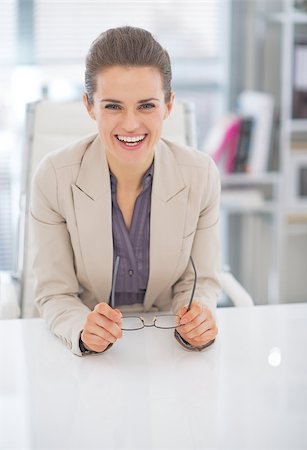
[131,139]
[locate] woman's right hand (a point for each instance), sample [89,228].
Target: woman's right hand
[102,328]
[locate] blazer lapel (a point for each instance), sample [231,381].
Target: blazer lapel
[168,209]
[93,209]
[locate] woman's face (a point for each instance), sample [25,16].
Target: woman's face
[129,109]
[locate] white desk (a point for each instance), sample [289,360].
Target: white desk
[149,393]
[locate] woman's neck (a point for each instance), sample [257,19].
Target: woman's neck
[129,179]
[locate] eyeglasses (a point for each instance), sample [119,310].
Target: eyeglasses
[163,321]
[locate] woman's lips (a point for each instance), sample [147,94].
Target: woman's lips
[131,145]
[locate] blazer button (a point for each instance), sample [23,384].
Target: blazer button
[130,272]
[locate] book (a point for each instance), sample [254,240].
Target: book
[260,107]
[241,163]
[300,5]
[299,96]
[222,141]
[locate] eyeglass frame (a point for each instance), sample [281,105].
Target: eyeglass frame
[114,278]
[153,324]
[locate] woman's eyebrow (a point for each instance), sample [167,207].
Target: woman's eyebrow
[148,100]
[118,101]
[110,100]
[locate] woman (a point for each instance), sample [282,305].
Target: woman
[126,192]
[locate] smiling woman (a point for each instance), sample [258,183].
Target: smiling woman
[127,193]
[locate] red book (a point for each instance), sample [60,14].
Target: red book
[222,143]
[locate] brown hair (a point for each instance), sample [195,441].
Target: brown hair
[126,46]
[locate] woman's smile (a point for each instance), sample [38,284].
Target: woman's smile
[131,143]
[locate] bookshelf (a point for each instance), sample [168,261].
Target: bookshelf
[292,26]
[289,15]
[250,178]
[250,201]
[296,125]
[289,20]
[251,193]
[266,212]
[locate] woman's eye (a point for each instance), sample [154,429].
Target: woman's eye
[147,106]
[112,106]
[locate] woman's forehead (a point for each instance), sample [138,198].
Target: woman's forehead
[139,81]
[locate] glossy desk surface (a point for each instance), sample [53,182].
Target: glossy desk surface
[248,391]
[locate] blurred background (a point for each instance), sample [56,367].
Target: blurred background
[242,68]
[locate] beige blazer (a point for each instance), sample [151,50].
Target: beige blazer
[71,216]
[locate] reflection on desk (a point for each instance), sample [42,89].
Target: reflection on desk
[247,391]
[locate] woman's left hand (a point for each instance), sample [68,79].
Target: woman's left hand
[197,326]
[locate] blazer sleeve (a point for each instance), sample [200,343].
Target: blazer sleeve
[56,284]
[205,250]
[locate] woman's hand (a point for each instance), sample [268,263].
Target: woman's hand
[198,326]
[102,327]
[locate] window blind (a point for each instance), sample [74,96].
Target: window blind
[64,29]
[8,24]
[5,212]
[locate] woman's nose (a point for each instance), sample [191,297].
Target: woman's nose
[130,121]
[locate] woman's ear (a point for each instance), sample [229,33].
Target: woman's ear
[169,105]
[88,106]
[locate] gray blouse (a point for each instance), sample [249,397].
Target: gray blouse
[132,246]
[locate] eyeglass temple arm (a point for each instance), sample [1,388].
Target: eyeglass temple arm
[194,284]
[114,282]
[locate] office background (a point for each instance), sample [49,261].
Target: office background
[219,49]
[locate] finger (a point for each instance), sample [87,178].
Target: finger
[190,329]
[190,315]
[206,337]
[181,311]
[196,309]
[104,309]
[198,331]
[103,333]
[195,322]
[103,322]
[199,320]
[95,318]
[94,342]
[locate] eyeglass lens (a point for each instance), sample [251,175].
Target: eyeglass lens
[163,322]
